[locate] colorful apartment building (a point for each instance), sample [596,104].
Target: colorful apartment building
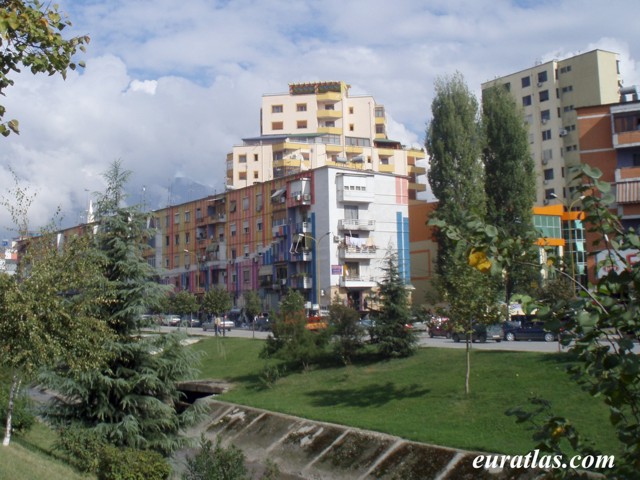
[550,94]
[320,124]
[610,141]
[323,232]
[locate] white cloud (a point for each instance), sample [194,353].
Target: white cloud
[170,87]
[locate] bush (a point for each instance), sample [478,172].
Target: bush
[348,332]
[217,463]
[23,417]
[132,464]
[82,446]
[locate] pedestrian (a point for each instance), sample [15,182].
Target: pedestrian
[216,325]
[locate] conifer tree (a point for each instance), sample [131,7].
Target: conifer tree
[395,339]
[131,400]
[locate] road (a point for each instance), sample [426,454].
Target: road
[423,340]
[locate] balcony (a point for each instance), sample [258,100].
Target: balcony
[626,139]
[356,281]
[330,130]
[301,199]
[358,224]
[303,256]
[356,253]
[355,196]
[416,170]
[418,187]
[329,114]
[330,97]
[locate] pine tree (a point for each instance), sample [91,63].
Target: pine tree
[132,400]
[395,339]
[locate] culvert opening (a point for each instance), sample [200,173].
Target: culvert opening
[195,390]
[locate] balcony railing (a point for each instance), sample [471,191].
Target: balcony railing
[356,224]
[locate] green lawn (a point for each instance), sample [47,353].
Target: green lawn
[419,398]
[29,457]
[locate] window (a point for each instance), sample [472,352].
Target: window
[166,240]
[526,81]
[176,239]
[187,260]
[242,175]
[330,123]
[176,261]
[276,108]
[242,158]
[549,193]
[351,127]
[547,154]
[507,86]
[259,203]
[166,221]
[548,174]
[351,110]
[350,212]
[166,263]
[246,276]
[546,135]
[568,88]
[329,106]
[379,128]
[259,225]
[232,229]
[255,157]
[549,226]
[544,95]
[255,175]
[565,69]
[187,237]
[568,108]
[232,206]
[301,107]
[542,76]
[187,217]
[302,124]
[245,227]
[176,218]
[635,160]
[526,100]
[276,126]
[545,116]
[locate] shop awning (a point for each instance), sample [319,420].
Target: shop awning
[265,270]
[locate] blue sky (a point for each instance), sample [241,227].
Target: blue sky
[170,86]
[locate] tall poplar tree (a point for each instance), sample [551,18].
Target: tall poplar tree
[132,399]
[509,177]
[454,143]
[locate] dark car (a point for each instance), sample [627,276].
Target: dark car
[480,333]
[439,327]
[527,331]
[263,323]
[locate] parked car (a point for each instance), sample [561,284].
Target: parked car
[263,323]
[527,331]
[226,324]
[419,325]
[480,333]
[170,320]
[439,327]
[369,326]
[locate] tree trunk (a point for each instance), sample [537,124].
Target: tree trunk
[466,381]
[13,393]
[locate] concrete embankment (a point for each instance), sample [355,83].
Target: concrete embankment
[304,449]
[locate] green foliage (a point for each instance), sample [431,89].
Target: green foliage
[216,301]
[394,338]
[132,464]
[183,303]
[510,178]
[291,341]
[252,303]
[131,399]
[346,330]
[270,374]
[31,35]
[216,463]
[82,447]
[23,410]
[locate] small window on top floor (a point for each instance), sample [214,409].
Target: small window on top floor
[301,107]
[526,81]
[276,108]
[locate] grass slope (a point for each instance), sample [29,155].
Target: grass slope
[419,398]
[29,457]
